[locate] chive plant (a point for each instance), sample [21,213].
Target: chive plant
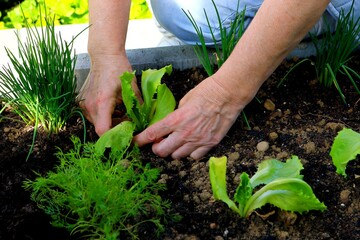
[334,51]
[223,46]
[41,82]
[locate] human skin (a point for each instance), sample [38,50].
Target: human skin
[207,112]
[101,91]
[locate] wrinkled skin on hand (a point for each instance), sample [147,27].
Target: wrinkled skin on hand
[101,91]
[203,118]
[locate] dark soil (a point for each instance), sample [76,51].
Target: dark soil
[299,118]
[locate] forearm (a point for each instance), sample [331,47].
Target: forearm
[274,32]
[108,26]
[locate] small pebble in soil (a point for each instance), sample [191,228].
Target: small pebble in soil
[196,199]
[310,147]
[176,163]
[262,146]
[205,195]
[334,126]
[322,122]
[213,225]
[182,174]
[282,155]
[162,181]
[344,196]
[233,157]
[236,179]
[273,136]
[269,105]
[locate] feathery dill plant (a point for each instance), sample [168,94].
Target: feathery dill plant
[40,82]
[223,47]
[335,51]
[101,197]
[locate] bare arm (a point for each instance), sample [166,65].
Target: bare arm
[106,45]
[275,31]
[208,111]
[109,22]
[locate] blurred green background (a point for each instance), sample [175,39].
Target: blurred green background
[65,12]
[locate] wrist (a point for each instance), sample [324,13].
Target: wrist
[105,61]
[238,92]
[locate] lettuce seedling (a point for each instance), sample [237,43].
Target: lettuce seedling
[158,98]
[117,139]
[283,187]
[345,148]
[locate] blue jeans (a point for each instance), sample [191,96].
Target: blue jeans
[170,14]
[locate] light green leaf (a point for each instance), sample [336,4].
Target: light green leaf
[290,194]
[118,138]
[217,171]
[165,104]
[345,148]
[243,192]
[150,80]
[272,169]
[131,102]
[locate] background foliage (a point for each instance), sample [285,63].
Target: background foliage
[65,11]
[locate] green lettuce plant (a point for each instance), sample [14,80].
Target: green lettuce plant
[158,98]
[345,148]
[283,187]
[98,196]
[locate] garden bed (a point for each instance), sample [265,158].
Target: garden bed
[302,119]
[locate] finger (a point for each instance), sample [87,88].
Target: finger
[200,152]
[84,112]
[103,120]
[168,145]
[154,133]
[183,151]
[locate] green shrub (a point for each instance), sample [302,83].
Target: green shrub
[65,12]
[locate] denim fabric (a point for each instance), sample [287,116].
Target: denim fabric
[170,14]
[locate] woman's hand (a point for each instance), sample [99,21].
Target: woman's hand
[101,91]
[203,118]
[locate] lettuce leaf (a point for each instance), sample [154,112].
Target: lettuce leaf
[217,172]
[289,194]
[118,139]
[345,148]
[272,169]
[158,99]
